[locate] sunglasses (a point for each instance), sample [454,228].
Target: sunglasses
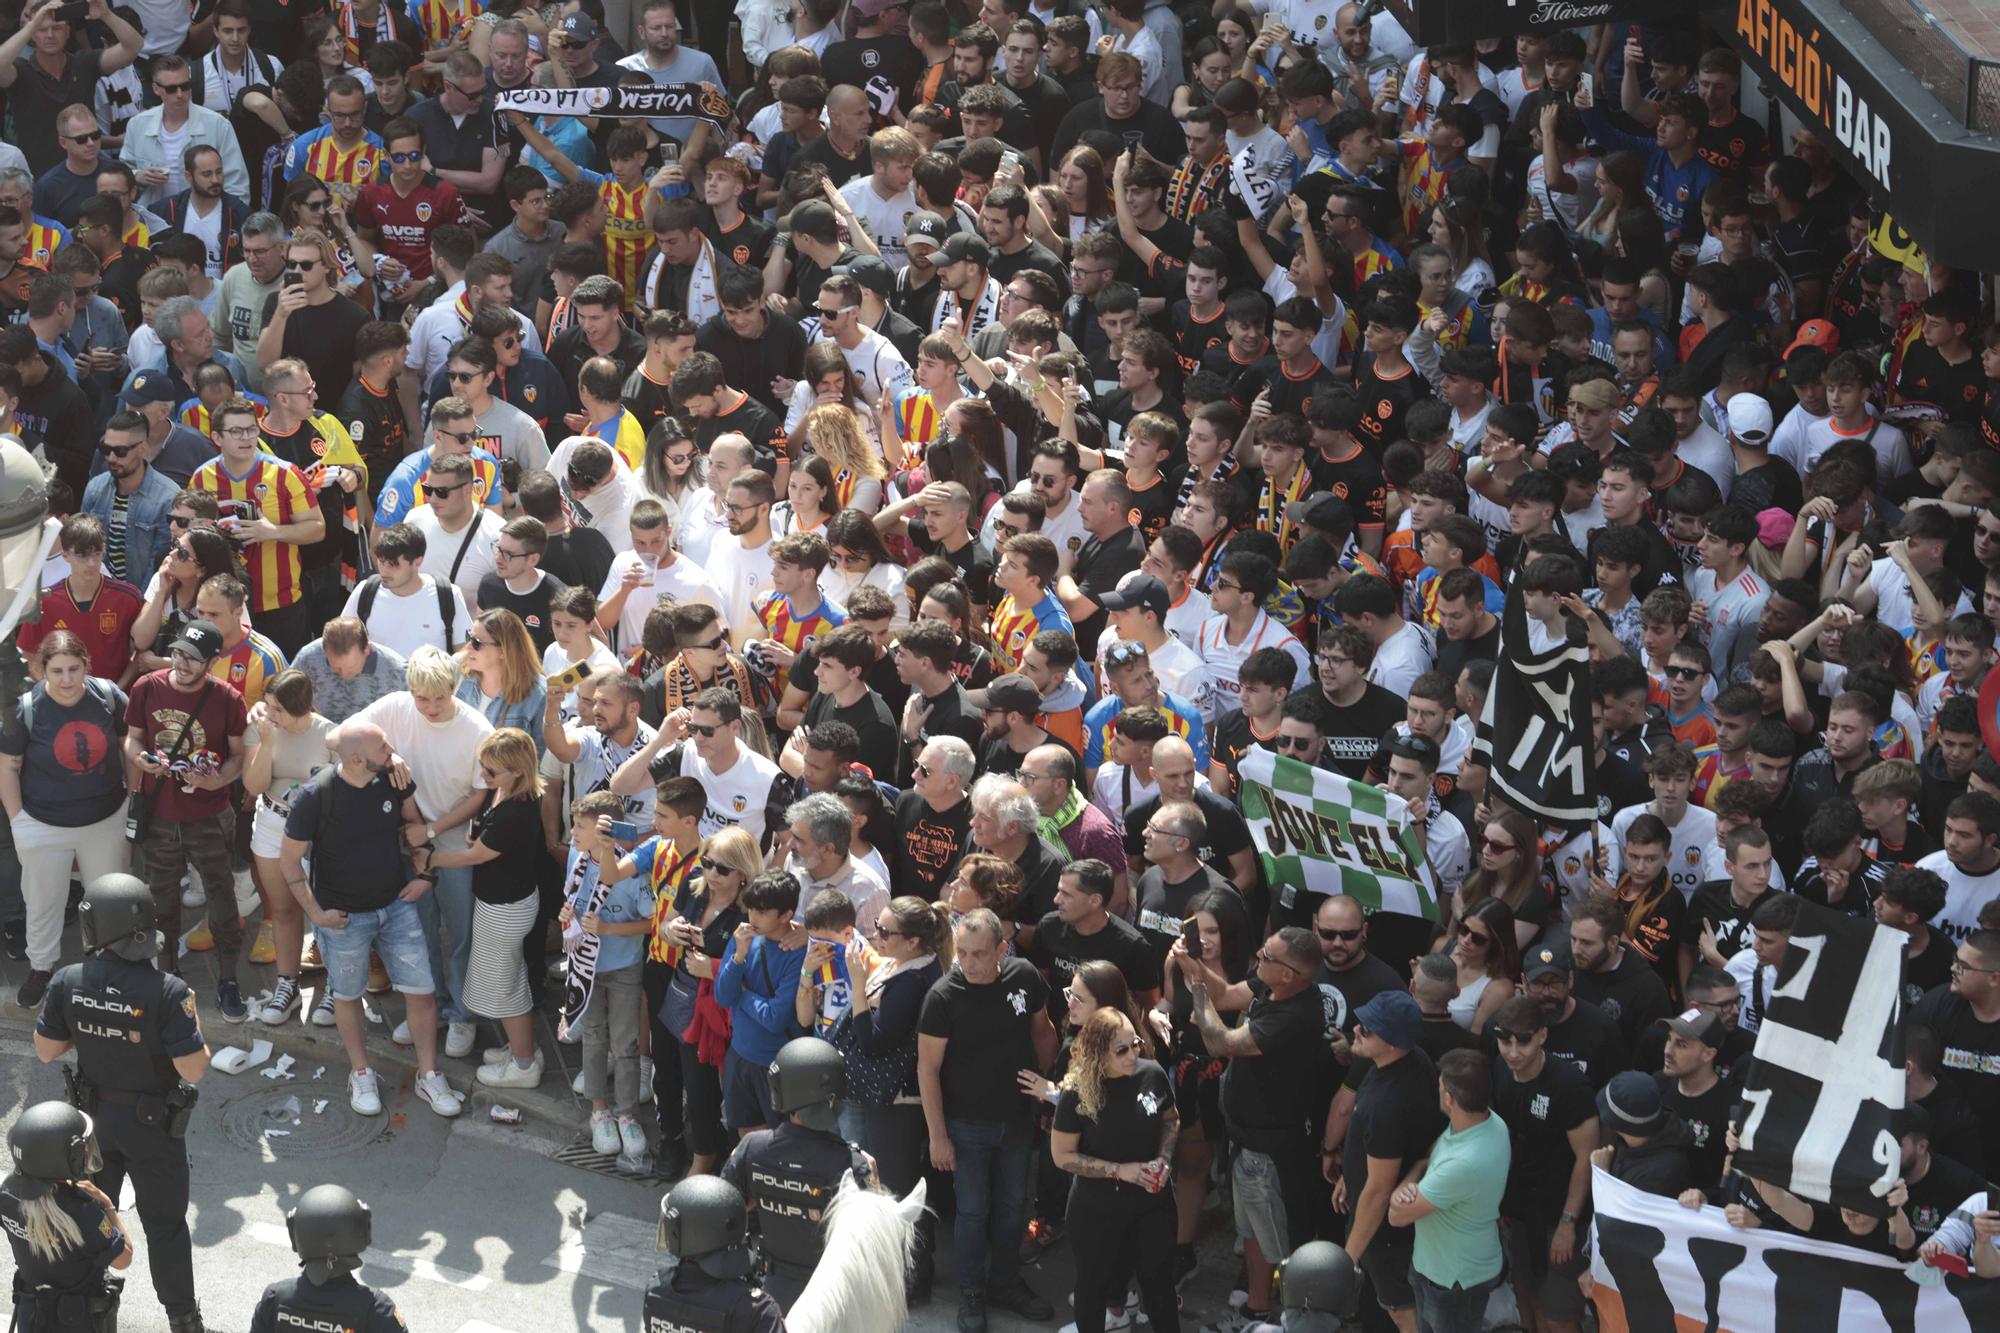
[180,553]
[117,450]
[826,314]
[462,377]
[687,457]
[436,492]
[301,265]
[176,521]
[1299,743]
[1497,847]
[1124,1048]
[401,159]
[1121,654]
[1466,932]
[922,769]
[1508,1035]
[460,436]
[163,89]
[1348,935]
[92,137]
[1266,956]
[474,641]
[711,645]
[1686,672]
[705,730]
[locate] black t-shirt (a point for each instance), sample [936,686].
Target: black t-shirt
[1589,1040]
[1957,390]
[1060,949]
[929,845]
[1453,654]
[460,145]
[974,562]
[989,1031]
[512,828]
[1129,1127]
[1929,969]
[1714,907]
[359,867]
[72,770]
[882,679]
[875,64]
[746,245]
[1295,393]
[1944,1187]
[1158,132]
[1707,1118]
[1971,1060]
[1775,485]
[322,336]
[1228,832]
[374,421]
[757,423]
[1395,1116]
[531,606]
[1164,906]
[1263,1098]
[1034,255]
[1046,103]
[36,100]
[119,284]
[578,558]
[1357,479]
[1632,995]
[1235,737]
[838,168]
[951,715]
[1041,867]
[1192,337]
[750,364]
[1539,1114]
[1354,731]
[868,715]
[1355,986]
[1386,400]
[1098,567]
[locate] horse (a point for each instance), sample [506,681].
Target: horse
[857,1286]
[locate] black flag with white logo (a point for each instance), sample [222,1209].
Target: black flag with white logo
[1828,1076]
[1534,736]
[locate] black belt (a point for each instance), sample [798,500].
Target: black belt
[121,1097]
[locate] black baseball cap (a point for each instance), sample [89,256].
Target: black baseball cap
[1140,591]
[1013,693]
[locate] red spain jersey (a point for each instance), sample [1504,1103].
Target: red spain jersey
[783,623]
[276,491]
[104,623]
[250,666]
[406,221]
[628,236]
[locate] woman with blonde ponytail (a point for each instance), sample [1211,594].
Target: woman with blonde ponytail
[64,1231]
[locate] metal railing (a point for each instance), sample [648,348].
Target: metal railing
[1967,83]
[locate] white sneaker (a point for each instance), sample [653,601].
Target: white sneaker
[494,1055]
[645,1080]
[459,1039]
[631,1138]
[576,1084]
[504,1073]
[322,1010]
[247,899]
[363,1094]
[432,1087]
[283,1001]
[402,1036]
[194,895]
[604,1137]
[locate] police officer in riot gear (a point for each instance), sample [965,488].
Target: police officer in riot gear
[329,1229]
[705,1225]
[63,1229]
[790,1174]
[1317,1288]
[139,1052]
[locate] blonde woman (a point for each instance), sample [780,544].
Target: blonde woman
[503,673]
[835,433]
[64,1230]
[1116,1125]
[506,835]
[284,744]
[729,861]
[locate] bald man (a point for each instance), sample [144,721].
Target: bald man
[362,895]
[1049,774]
[1227,849]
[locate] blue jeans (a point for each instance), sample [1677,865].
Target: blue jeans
[393,932]
[451,902]
[1451,1309]
[992,1184]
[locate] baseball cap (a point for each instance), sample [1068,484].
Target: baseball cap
[199,638]
[924,227]
[871,272]
[1819,333]
[1697,1025]
[1774,527]
[1750,420]
[964,247]
[1013,693]
[1596,394]
[578,27]
[1631,1103]
[1393,1016]
[1141,591]
[1549,960]
[146,386]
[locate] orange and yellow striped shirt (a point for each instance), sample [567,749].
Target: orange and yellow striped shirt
[1014,626]
[783,623]
[440,21]
[343,173]
[273,490]
[628,236]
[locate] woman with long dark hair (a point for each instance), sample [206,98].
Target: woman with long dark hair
[503,673]
[197,553]
[1223,925]
[1509,868]
[860,559]
[1116,1126]
[808,502]
[1488,962]
[673,470]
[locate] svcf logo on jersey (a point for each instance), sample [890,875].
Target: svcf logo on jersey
[424,212]
[530,393]
[740,804]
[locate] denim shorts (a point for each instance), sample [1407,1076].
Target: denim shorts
[746,1094]
[1260,1202]
[395,933]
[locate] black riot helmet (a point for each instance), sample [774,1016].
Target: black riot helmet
[118,914]
[51,1142]
[704,1221]
[329,1228]
[808,1081]
[1320,1277]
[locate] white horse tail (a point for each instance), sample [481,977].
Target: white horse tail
[857,1287]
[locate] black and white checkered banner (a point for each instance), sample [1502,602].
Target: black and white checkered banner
[624,102]
[1829,1069]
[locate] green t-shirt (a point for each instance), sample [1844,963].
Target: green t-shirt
[1459,1244]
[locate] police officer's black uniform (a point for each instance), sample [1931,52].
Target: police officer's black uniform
[329,1229]
[128,1022]
[74,1292]
[704,1223]
[790,1174]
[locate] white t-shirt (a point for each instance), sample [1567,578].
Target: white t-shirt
[441,548]
[1687,853]
[1964,896]
[1789,440]
[1709,452]
[737,798]
[1116,791]
[739,576]
[683,581]
[555,660]
[1402,657]
[1894,604]
[882,217]
[1186,617]
[1065,529]
[209,231]
[406,622]
[839,584]
[701,523]
[1892,451]
[1225,659]
[443,757]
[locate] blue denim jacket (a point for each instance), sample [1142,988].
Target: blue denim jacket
[527,714]
[147,534]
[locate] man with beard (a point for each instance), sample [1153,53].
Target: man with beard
[1694,1090]
[665,60]
[1609,974]
[879,59]
[131,498]
[203,211]
[1579,1031]
[1010,728]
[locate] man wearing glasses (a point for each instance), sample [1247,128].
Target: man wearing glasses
[309,319]
[178,119]
[58,80]
[1966,1017]
[269,514]
[461,536]
[1119,110]
[344,153]
[454,431]
[130,497]
[317,445]
[459,137]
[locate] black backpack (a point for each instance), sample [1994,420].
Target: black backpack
[373,584]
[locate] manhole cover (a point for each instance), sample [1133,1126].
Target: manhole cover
[264,1118]
[581,1154]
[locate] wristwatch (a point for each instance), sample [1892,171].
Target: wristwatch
[430,833]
